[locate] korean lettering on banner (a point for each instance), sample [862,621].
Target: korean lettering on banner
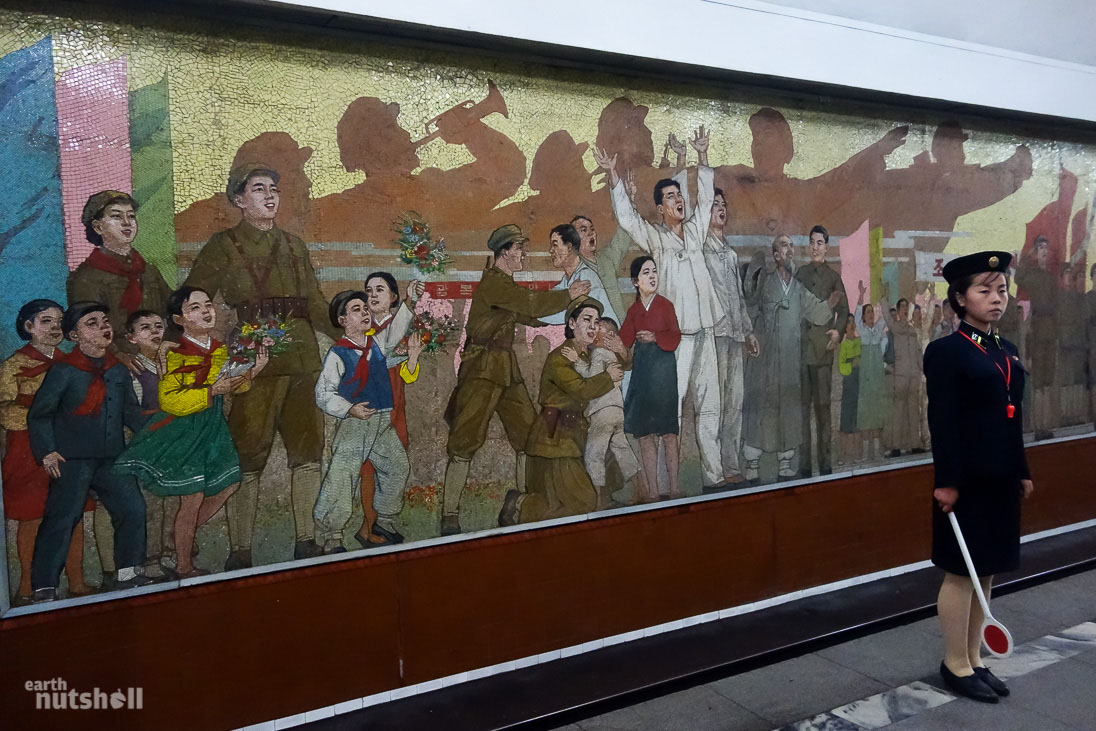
[930,265]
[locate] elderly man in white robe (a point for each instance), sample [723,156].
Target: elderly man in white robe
[677,245]
[780,303]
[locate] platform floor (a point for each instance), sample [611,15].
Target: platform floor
[886,680]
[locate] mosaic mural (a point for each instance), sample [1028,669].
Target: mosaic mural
[271,299]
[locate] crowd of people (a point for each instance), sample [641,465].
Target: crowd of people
[150,415]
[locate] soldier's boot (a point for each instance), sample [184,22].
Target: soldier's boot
[456,477]
[240,511]
[304,489]
[519,473]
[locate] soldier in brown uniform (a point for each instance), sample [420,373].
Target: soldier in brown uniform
[489,380]
[821,281]
[264,272]
[558,482]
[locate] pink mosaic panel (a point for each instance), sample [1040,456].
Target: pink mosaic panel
[93,122]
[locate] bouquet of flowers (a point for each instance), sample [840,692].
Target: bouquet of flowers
[273,334]
[416,246]
[433,330]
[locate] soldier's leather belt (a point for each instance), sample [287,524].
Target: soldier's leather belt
[491,343]
[281,308]
[554,417]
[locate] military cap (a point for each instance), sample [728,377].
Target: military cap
[983,261]
[583,301]
[238,177]
[503,235]
[98,202]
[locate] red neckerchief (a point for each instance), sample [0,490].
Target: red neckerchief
[131,298]
[383,326]
[1010,410]
[361,371]
[97,391]
[45,362]
[192,349]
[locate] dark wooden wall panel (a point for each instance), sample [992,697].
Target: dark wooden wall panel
[254,649]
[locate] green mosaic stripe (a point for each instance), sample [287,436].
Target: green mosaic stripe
[153,185]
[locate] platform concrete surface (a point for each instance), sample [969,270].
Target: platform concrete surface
[889,680]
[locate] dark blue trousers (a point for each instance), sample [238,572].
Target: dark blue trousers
[65,509]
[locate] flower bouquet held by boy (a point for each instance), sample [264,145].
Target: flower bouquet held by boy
[186,450]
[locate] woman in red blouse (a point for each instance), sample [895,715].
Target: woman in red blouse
[650,406]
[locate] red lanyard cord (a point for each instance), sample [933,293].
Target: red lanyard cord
[1006,375]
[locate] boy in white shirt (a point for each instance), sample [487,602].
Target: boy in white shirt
[606,413]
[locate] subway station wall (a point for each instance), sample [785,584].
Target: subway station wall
[373,145]
[257,648]
[405,161]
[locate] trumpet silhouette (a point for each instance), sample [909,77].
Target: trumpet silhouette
[463,114]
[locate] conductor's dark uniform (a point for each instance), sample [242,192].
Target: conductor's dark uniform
[975,387]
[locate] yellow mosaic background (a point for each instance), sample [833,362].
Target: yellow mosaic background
[228,86]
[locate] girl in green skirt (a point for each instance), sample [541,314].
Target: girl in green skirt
[187,450]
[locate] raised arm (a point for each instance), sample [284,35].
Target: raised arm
[625,211]
[705,183]
[394,333]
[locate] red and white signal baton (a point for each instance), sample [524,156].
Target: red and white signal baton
[995,637]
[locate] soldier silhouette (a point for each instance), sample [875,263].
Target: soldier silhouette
[280,151]
[455,202]
[764,199]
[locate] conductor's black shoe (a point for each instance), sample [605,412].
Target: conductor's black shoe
[970,686]
[995,684]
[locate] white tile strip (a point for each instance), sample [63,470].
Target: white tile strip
[900,703]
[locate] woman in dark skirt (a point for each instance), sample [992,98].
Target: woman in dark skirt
[975,386]
[650,406]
